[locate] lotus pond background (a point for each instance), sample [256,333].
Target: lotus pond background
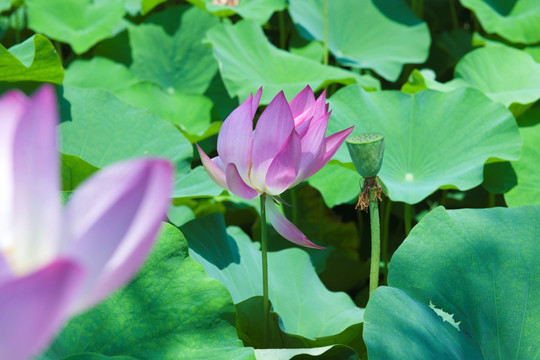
[454,87]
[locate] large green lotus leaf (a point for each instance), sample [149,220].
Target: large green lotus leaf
[93,356]
[112,77]
[256,10]
[104,130]
[189,112]
[80,23]
[499,177]
[527,168]
[196,183]
[5,5]
[504,74]
[35,59]
[515,20]
[171,310]
[250,317]
[312,50]
[321,353]
[464,285]
[74,171]
[376,34]
[148,5]
[177,63]
[337,183]
[133,7]
[306,307]
[248,61]
[223,103]
[432,138]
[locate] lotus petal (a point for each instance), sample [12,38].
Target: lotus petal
[273,130]
[284,168]
[32,231]
[302,101]
[235,137]
[286,228]
[114,218]
[332,144]
[236,184]
[213,170]
[33,308]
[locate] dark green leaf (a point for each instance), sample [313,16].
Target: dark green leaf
[298,296]
[74,171]
[171,310]
[464,285]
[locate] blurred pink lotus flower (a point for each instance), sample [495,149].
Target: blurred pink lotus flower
[56,262]
[287,146]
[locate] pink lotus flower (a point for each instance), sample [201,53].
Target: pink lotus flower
[287,146]
[54,261]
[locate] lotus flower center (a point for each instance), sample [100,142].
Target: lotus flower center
[17,264]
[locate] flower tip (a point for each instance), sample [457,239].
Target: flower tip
[311,245]
[45,93]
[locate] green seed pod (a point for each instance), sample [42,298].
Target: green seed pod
[366,152]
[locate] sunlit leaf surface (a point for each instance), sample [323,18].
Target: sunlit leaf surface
[372,34]
[248,61]
[427,146]
[32,60]
[171,310]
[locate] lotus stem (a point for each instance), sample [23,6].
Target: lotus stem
[408,219]
[294,205]
[444,197]
[375,241]
[282,35]
[385,227]
[325,20]
[453,12]
[492,201]
[418,8]
[264,251]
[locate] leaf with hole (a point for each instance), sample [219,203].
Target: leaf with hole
[480,270]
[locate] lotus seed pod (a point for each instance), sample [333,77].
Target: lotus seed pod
[366,152]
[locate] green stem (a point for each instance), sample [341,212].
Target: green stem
[320,215]
[294,204]
[492,200]
[408,219]
[58,48]
[444,196]
[375,244]
[386,230]
[282,35]
[418,8]
[325,16]
[360,228]
[453,12]
[264,251]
